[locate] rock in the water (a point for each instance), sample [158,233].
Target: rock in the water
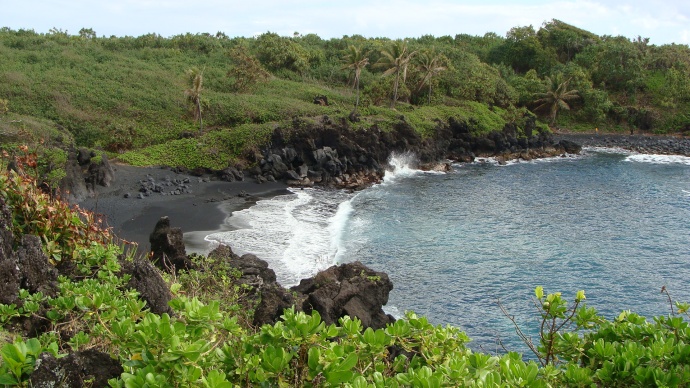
[168,248]
[349,289]
[88,368]
[570,146]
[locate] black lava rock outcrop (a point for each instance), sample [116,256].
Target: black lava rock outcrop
[88,368]
[149,283]
[333,154]
[646,144]
[84,171]
[348,289]
[167,248]
[26,267]
[270,298]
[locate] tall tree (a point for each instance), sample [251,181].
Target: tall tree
[556,97]
[355,61]
[396,60]
[195,80]
[430,64]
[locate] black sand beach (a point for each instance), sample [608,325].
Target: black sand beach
[199,210]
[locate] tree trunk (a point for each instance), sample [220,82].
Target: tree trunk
[429,91]
[395,89]
[198,111]
[357,98]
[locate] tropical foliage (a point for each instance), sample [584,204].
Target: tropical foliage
[355,61]
[123,94]
[555,98]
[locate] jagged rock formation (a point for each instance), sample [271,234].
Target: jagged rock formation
[149,283]
[85,170]
[333,154]
[167,248]
[26,266]
[349,289]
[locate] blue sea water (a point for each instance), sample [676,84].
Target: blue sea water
[614,224]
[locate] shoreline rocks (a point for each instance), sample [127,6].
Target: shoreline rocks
[347,289]
[642,143]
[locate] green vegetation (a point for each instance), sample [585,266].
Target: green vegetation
[126,94]
[208,341]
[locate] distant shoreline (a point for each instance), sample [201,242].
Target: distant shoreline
[643,143]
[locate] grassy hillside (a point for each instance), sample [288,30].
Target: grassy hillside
[127,94]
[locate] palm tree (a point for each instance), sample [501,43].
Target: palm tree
[195,80]
[355,60]
[430,64]
[556,97]
[396,60]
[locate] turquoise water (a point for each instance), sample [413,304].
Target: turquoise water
[615,225]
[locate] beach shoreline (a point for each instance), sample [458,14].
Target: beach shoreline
[205,203]
[201,208]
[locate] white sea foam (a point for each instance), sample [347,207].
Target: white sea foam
[337,226]
[296,234]
[658,159]
[301,233]
[494,161]
[608,150]
[401,166]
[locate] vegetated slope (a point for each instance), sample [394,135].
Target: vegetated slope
[128,93]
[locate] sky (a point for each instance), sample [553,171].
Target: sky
[663,22]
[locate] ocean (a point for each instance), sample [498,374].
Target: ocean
[613,223]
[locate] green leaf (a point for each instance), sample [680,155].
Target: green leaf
[349,362]
[313,358]
[539,292]
[338,377]
[580,295]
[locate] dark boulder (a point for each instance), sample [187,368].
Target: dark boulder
[99,173]
[349,289]
[271,297]
[231,174]
[570,146]
[292,175]
[73,185]
[9,281]
[84,156]
[88,368]
[6,236]
[36,273]
[167,247]
[149,283]
[274,300]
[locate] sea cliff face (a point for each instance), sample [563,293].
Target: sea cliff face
[334,154]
